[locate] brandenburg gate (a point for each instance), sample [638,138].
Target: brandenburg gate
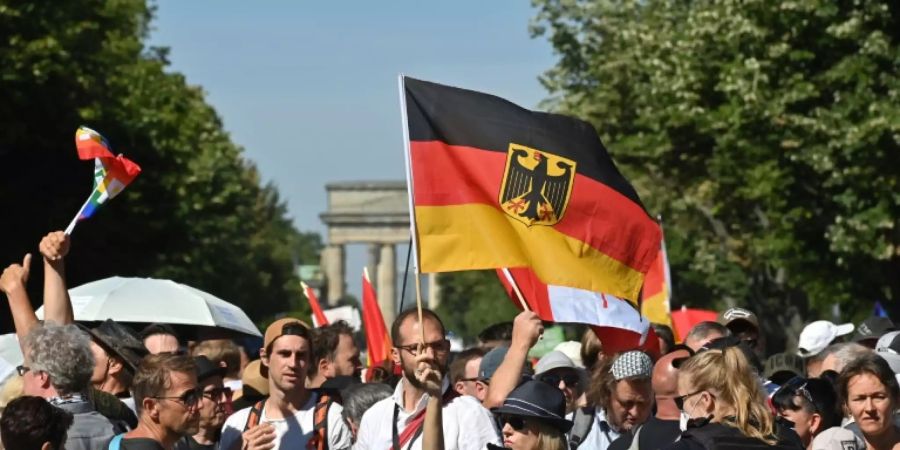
[374,213]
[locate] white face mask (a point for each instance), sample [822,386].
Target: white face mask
[684,417]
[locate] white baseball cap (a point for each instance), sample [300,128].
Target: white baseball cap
[818,335]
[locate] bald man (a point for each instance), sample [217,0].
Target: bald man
[662,429]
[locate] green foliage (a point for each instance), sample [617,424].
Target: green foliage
[472,300]
[767,134]
[198,213]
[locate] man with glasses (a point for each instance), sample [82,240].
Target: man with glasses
[214,397]
[168,401]
[397,421]
[57,367]
[285,419]
[464,371]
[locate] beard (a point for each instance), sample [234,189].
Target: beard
[410,373]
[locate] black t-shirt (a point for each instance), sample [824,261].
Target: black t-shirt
[140,444]
[188,443]
[655,433]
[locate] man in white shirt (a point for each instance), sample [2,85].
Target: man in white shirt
[396,422]
[285,420]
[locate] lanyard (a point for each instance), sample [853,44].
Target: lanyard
[396,436]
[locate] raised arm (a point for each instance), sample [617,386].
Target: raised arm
[12,283]
[57,305]
[527,328]
[430,376]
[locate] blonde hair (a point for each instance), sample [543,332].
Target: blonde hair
[550,437]
[728,375]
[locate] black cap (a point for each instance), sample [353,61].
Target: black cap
[873,328]
[119,341]
[207,368]
[782,363]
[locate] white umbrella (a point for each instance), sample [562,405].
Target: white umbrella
[10,355]
[148,300]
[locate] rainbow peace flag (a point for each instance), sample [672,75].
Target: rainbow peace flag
[111,173]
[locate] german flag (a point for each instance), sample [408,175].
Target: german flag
[495,185]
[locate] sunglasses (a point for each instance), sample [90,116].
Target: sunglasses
[189,399]
[21,370]
[679,401]
[218,394]
[517,423]
[441,346]
[571,379]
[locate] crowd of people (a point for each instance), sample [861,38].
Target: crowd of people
[109,387]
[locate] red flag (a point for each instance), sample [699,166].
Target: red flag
[658,290]
[685,319]
[318,317]
[617,323]
[378,341]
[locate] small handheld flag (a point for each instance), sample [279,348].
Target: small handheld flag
[111,173]
[318,316]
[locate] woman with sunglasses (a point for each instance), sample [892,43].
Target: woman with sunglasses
[810,404]
[870,392]
[533,418]
[722,404]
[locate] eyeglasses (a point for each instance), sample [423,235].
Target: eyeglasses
[517,423]
[679,401]
[441,346]
[189,399]
[21,370]
[571,379]
[218,394]
[797,385]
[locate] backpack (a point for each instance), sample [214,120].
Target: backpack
[583,420]
[319,439]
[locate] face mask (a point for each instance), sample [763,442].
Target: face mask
[683,419]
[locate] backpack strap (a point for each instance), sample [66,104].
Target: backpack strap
[583,421]
[116,442]
[255,415]
[635,443]
[319,439]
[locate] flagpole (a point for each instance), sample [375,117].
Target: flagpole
[515,286]
[71,227]
[412,211]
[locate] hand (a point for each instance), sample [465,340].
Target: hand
[55,246]
[427,372]
[260,437]
[527,328]
[15,277]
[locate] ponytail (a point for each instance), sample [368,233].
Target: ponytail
[729,376]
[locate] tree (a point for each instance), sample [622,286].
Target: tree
[472,300]
[198,213]
[765,133]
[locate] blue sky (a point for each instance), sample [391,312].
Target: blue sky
[309,89]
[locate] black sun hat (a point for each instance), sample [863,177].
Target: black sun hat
[539,401]
[120,341]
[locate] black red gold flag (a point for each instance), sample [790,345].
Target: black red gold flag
[495,185]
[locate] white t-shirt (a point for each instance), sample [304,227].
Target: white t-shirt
[292,432]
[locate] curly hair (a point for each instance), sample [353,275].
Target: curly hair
[63,352]
[28,422]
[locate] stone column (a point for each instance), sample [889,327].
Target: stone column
[434,291]
[333,266]
[387,282]
[372,264]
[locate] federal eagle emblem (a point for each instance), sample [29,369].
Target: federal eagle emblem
[536,185]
